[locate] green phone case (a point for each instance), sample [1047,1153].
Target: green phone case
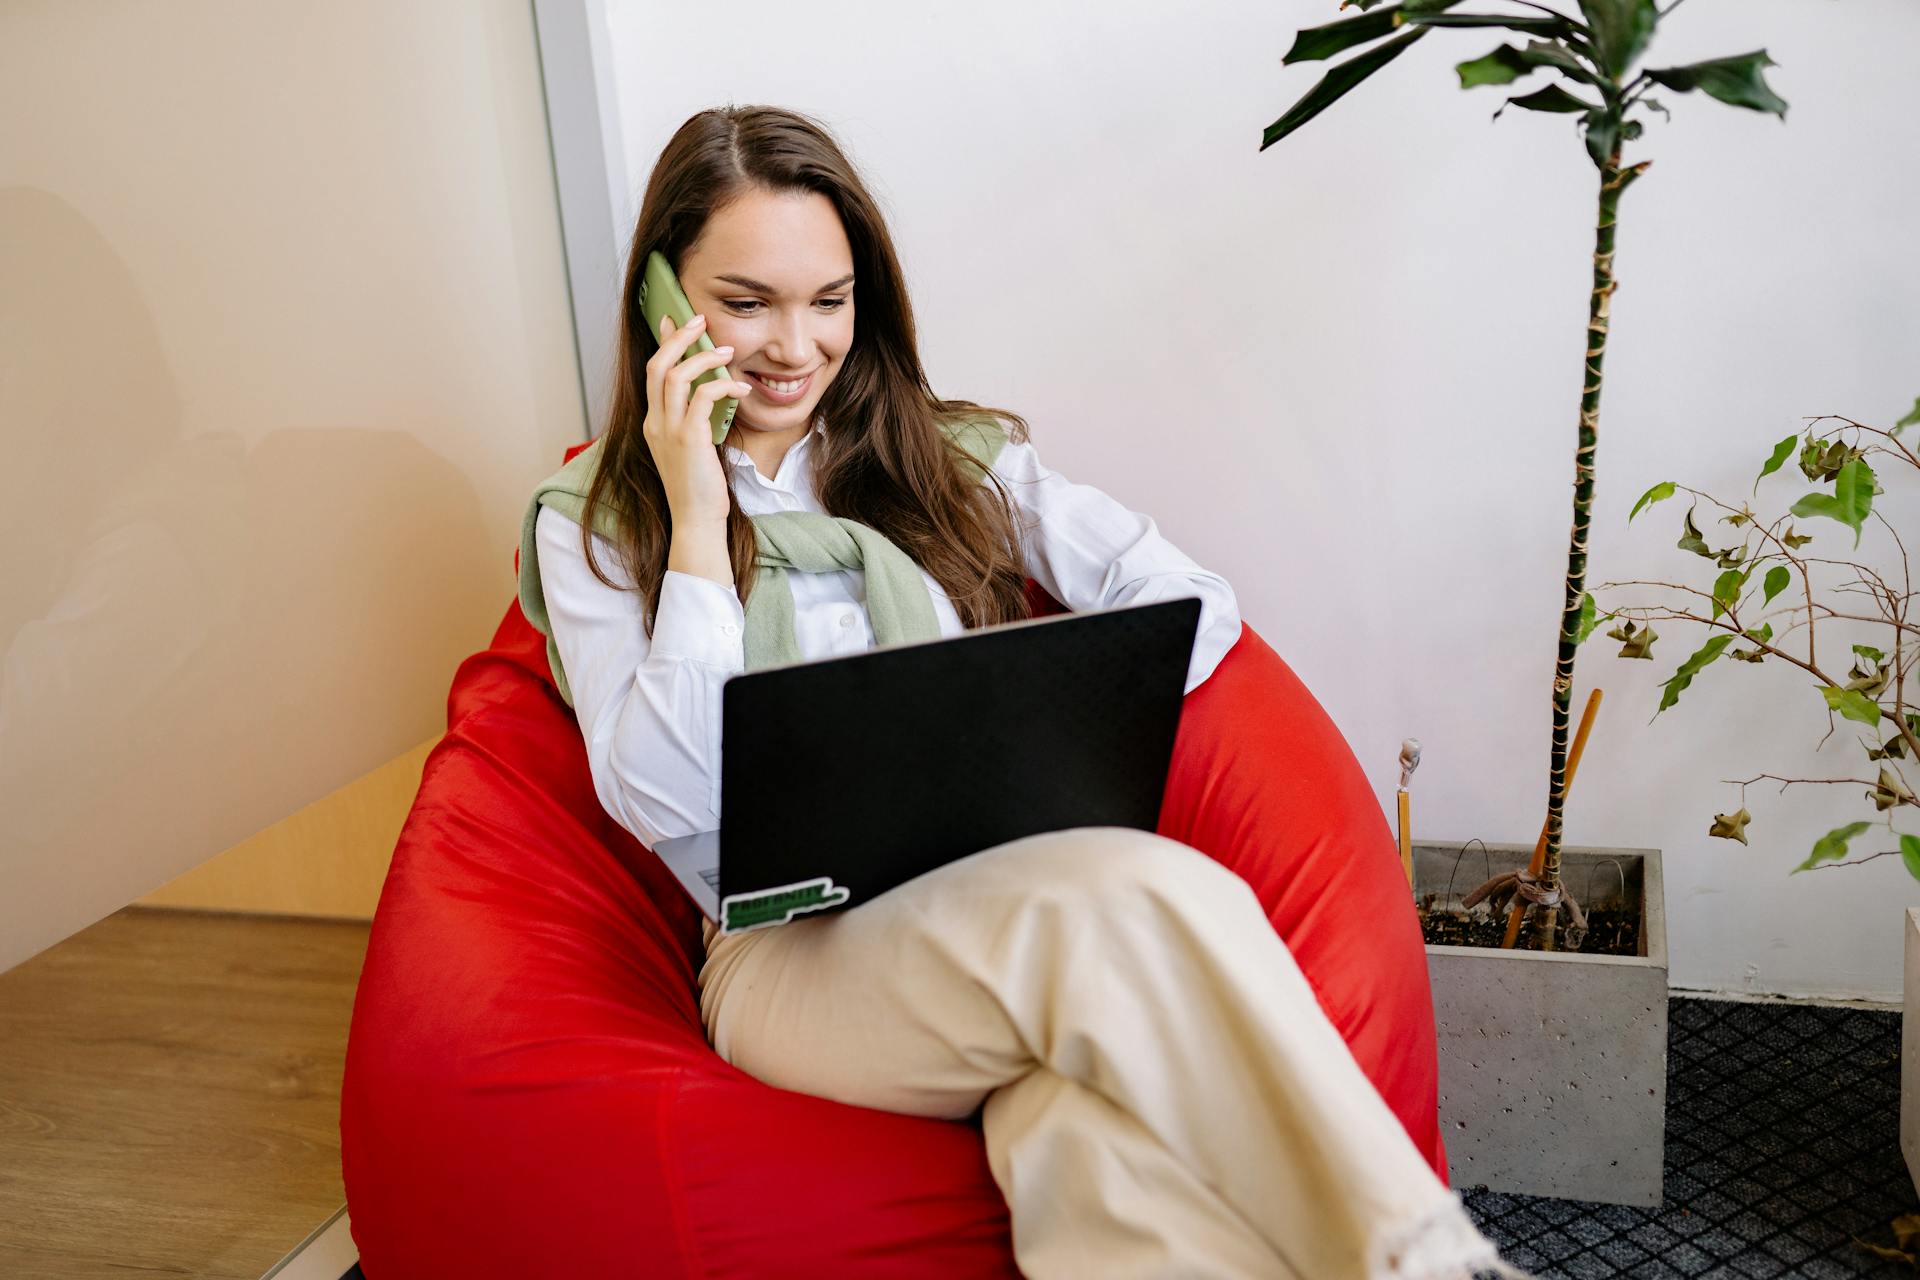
[661,295]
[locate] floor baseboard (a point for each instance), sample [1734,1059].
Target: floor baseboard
[1890,1004]
[327,1254]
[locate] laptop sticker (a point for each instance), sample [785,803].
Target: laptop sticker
[765,908]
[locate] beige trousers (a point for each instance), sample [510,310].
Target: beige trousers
[1162,1094]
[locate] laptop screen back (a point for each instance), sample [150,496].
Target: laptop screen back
[879,766]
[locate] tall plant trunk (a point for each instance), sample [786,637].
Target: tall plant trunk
[1613,180]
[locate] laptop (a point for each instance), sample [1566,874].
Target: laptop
[841,778]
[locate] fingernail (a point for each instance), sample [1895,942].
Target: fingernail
[696,320]
[723,349]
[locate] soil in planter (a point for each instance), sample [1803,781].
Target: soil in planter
[1611,930]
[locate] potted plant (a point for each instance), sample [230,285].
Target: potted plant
[1735,608]
[1521,1030]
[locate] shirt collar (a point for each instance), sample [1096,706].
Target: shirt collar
[739,455]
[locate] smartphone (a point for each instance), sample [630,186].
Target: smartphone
[661,295]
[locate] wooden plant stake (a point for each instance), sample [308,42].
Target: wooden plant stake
[1518,911]
[1409,761]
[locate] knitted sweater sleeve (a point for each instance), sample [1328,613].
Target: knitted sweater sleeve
[648,707]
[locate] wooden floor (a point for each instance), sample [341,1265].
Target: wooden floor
[170,1094]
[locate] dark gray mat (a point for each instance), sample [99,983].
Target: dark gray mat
[1783,1143]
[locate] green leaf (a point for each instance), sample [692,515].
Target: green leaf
[1338,81]
[1659,493]
[1603,135]
[1870,684]
[1503,66]
[1635,643]
[1912,419]
[1632,174]
[1778,579]
[1832,847]
[1690,539]
[1555,27]
[1910,855]
[1890,790]
[1690,668]
[1737,80]
[1315,43]
[1852,704]
[1550,53]
[1871,653]
[1850,502]
[1584,627]
[1823,462]
[1781,452]
[1621,29]
[1726,589]
[1759,636]
[1551,98]
[1311,44]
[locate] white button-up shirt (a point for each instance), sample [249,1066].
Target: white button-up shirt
[649,709]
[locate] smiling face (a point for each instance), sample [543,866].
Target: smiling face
[773,274]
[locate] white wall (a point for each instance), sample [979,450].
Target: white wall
[283,348]
[1344,371]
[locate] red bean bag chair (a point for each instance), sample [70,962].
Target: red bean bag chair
[529,1091]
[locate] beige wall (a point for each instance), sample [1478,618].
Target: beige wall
[329,859]
[283,346]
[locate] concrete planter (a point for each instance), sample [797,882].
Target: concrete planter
[1910,1053]
[1553,1066]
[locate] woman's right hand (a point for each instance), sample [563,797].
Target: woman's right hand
[679,427]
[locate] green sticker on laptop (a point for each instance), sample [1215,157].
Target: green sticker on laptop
[764,908]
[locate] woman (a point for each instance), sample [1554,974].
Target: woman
[1159,1092]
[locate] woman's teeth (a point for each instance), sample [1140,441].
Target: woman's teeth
[782,390]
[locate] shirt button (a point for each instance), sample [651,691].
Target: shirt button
[846,620]
[730,628]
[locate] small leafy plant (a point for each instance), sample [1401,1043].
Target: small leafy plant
[1770,563]
[1589,61]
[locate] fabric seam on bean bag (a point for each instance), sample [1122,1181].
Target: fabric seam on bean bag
[666,1109]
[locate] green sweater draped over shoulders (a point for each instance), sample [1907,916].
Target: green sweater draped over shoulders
[898,602]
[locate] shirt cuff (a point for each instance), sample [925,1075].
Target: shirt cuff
[701,620]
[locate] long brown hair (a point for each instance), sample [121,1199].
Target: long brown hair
[885,461]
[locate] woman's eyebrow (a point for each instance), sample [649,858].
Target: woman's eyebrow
[756,286]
